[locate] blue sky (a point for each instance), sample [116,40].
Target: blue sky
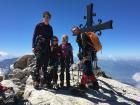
[19,17]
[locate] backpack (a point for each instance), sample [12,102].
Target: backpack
[66,49]
[95,41]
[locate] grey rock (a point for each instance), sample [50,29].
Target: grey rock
[23,62]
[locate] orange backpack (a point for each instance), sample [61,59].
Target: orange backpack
[95,41]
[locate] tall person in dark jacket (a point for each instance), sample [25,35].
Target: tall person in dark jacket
[66,60]
[41,48]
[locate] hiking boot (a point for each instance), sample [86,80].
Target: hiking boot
[49,85]
[55,86]
[82,87]
[62,84]
[96,86]
[68,84]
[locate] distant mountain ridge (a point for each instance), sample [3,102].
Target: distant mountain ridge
[121,69]
[5,64]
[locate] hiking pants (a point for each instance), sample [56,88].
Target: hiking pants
[42,59]
[65,65]
[88,73]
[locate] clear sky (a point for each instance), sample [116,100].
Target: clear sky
[19,17]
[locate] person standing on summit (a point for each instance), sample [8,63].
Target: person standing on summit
[86,56]
[42,37]
[66,61]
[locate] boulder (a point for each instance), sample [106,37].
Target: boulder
[18,73]
[22,74]
[23,62]
[10,83]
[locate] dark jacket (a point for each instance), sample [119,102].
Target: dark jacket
[43,31]
[55,54]
[85,45]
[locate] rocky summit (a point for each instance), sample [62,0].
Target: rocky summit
[111,92]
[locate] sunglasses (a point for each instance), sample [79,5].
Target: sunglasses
[46,17]
[55,40]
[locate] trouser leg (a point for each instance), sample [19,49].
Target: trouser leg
[92,78]
[67,74]
[62,73]
[55,75]
[46,75]
[84,79]
[36,74]
[62,76]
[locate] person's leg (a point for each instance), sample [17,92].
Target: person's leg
[68,73]
[88,68]
[46,75]
[62,73]
[36,74]
[94,82]
[50,74]
[95,60]
[85,75]
[91,75]
[84,79]
[55,75]
[93,78]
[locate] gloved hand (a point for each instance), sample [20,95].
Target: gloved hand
[33,50]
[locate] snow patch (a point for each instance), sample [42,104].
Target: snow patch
[12,67]
[136,77]
[1,71]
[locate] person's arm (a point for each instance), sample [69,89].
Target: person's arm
[60,56]
[51,33]
[82,42]
[35,34]
[71,54]
[59,52]
[79,41]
